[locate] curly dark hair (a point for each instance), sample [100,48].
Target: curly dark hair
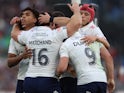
[35,13]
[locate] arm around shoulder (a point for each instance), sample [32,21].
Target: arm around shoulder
[13,59]
[62,66]
[15,32]
[76,20]
[109,68]
[104,41]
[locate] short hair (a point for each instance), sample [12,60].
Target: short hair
[58,14]
[35,13]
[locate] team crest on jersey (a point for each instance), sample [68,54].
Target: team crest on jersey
[92,27]
[55,91]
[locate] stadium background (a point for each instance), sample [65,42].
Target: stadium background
[110,19]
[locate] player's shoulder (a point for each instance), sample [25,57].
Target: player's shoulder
[12,41]
[94,27]
[60,29]
[98,28]
[67,42]
[39,28]
[43,27]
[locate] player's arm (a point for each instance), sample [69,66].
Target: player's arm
[15,32]
[90,39]
[62,66]
[46,18]
[101,38]
[64,59]
[105,55]
[15,22]
[12,54]
[71,70]
[14,59]
[61,21]
[72,24]
[104,41]
[76,20]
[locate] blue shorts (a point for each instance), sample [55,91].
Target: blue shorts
[68,85]
[41,85]
[19,87]
[94,87]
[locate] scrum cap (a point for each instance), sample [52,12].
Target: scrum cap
[90,9]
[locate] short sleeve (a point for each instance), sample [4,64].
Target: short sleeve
[12,48]
[22,37]
[63,51]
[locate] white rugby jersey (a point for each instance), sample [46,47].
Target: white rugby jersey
[86,60]
[45,44]
[67,74]
[17,49]
[91,29]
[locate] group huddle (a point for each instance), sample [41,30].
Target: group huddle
[57,54]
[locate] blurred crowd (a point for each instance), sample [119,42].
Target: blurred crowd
[110,19]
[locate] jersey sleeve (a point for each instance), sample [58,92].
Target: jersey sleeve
[22,37]
[63,51]
[12,48]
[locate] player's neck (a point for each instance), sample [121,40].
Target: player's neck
[85,24]
[29,27]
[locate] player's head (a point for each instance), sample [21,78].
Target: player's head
[57,14]
[87,12]
[29,18]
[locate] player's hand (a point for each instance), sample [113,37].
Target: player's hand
[111,85]
[74,7]
[14,20]
[89,39]
[44,18]
[27,53]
